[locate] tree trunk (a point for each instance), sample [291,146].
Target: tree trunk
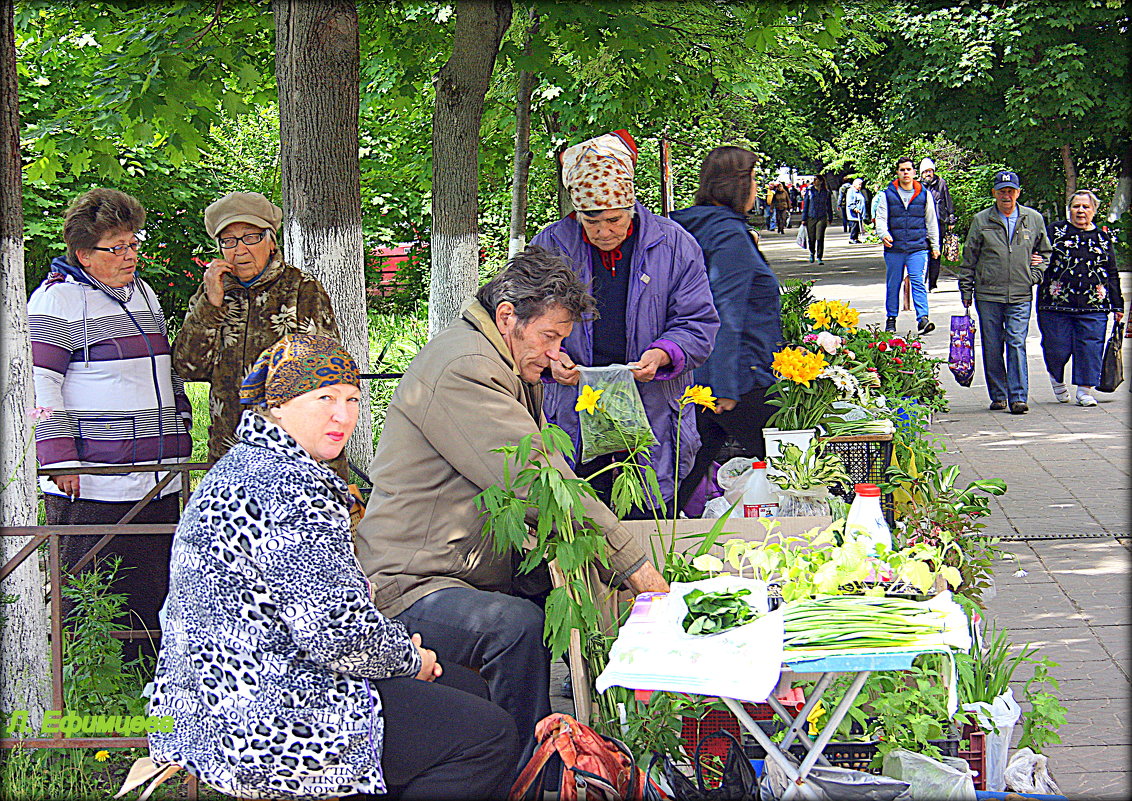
[316,68]
[1070,172]
[461,85]
[24,668]
[562,197]
[522,165]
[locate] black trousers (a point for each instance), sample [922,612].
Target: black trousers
[815,235]
[854,231]
[445,739]
[745,422]
[144,573]
[933,263]
[499,635]
[780,218]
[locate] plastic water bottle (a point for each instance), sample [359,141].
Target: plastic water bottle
[758,500]
[866,516]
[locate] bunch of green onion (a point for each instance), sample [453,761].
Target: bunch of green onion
[856,621]
[859,428]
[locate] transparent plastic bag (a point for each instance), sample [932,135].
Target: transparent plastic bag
[803,503]
[833,784]
[930,779]
[618,421]
[997,719]
[1029,773]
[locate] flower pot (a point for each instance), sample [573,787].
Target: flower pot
[775,438]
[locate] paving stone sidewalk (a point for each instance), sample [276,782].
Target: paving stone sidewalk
[1067,471]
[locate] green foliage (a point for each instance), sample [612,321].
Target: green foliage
[716,612]
[798,470]
[95,678]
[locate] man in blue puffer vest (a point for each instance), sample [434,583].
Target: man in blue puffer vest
[906,223]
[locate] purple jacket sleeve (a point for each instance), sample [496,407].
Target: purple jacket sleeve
[692,321]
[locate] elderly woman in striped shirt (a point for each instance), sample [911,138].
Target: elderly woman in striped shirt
[102,364]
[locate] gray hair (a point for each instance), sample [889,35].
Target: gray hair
[532,282]
[1092,199]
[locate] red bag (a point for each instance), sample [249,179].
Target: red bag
[603,766]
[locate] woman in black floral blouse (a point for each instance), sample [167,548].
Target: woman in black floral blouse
[1079,289]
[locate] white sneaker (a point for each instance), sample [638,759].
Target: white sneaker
[1085,399]
[1060,391]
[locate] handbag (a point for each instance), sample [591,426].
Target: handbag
[1112,365]
[951,246]
[961,358]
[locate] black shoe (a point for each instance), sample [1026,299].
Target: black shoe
[890,326]
[1019,407]
[997,406]
[926,325]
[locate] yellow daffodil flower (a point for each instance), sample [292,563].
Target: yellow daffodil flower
[701,396]
[798,365]
[825,312]
[587,401]
[102,756]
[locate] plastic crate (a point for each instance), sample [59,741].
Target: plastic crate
[975,753]
[866,458]
[855,756]
[692,730]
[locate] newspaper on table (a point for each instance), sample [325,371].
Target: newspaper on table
[653,652]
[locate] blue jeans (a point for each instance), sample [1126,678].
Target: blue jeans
[1081,336]
[1002,331]
[894,265]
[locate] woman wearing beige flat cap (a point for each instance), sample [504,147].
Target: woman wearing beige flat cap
[250,299]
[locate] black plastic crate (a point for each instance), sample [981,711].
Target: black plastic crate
[852,755]
[866,458]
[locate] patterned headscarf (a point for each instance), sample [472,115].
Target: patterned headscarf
[599,172]
[296,364]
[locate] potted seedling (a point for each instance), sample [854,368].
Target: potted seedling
[804,479]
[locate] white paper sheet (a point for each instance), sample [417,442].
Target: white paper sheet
[652,651]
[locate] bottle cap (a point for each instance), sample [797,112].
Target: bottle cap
[758,465]
[867,490]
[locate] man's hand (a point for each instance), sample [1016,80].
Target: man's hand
[564,371]
[1036,259]
[430,668]
[68,484]
[646,579]
[935,254]
[887,240]
[725,405]
[966,303]
[214,280]
[651,361]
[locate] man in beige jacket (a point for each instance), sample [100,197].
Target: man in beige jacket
[476,386]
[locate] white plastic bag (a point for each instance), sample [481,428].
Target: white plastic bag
[997,719]
[716,507]
[729,473]
[1029,773]
[801,240]
[929,779]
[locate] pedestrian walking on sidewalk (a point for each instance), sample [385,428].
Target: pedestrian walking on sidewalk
[855,210]
[906,224]
[1003,258]
[1078,290]
[842,193]
[817,215]
[944,212]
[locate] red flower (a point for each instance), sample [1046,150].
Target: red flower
[882,346]
[898,360]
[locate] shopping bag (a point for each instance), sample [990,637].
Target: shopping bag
[951,247]
[1112,366]
[801,240]
[615,420]
[961,359]
[734,780]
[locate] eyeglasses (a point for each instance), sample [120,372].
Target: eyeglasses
[120,250]
[229,242]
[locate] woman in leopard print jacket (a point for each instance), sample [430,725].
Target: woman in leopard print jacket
[282,678]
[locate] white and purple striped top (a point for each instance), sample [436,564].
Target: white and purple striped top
[102,363]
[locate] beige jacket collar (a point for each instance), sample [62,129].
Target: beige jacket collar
[483,322]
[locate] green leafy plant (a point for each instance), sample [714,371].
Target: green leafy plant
[811,469]
[715,612]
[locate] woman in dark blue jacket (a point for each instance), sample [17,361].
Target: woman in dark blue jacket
[817,213]
[746,295]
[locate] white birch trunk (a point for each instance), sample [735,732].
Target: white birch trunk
[24,676]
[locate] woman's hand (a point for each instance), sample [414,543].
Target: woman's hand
[69,485]
[1036,259]
[430,668]
[651,361]
[214,280]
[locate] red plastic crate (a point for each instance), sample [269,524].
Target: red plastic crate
[692,730]
[975,754]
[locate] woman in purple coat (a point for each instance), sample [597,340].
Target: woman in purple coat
[655,308]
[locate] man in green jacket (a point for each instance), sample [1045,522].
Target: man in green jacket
[475,387]
[1003,259]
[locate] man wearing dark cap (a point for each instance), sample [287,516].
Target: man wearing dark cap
[249,300]
[1003,259]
